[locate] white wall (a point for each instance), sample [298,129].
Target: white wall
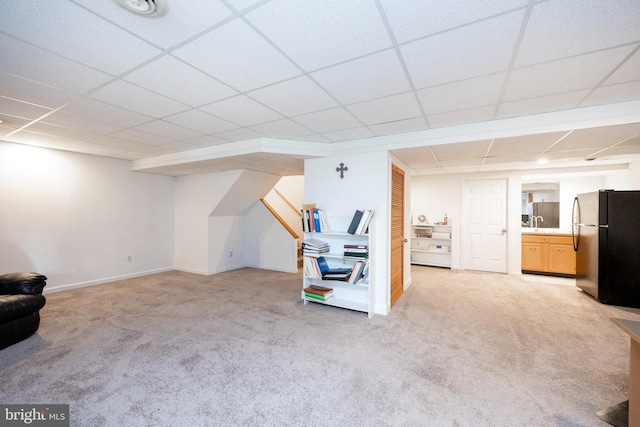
[268,244]
[365,186]
[628,179]
[76,218]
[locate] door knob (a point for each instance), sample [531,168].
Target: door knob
[405,240]
[504,230]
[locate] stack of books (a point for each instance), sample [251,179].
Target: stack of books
[318,293]
[314,247]
[317,268]
[360,222]
[357,252]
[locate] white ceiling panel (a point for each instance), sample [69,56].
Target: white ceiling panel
[10,123]
[453,118]
[628,72]
[81,123]
[529,144]
[388,109]
[294,97]
[399,126]
[287,129]
[168,130]
[465,94]
[242,110]
[322,33]
[571,74]
[143,137]
[22,59]
[597,138]
[348,134]
[620,92]
[131,97]
[95,109]
[467,150]
[193,88]
[373,76]
[71,31]
[242,4]
[185,19]
[242,134]
[419,157]
[542,104]
[21,109]
[238,56]
[328,120]
[562,28]
[415,19]
[206,141]
[35,93]
[474,50]
[201,122]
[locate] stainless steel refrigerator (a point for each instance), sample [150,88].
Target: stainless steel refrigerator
[606,238]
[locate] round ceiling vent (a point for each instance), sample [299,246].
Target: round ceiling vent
[148,8]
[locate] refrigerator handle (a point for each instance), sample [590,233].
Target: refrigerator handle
[575,225]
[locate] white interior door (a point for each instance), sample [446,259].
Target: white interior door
[485,225]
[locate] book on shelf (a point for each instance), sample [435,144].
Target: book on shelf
[317,297]
[314,220]
[360,269]
[360,221]
[314,247]
[318,290]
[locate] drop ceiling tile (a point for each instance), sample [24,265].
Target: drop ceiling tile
[201,122]
[635,141]
[463,150]
[42,140]
[242,110]
[373,76]
[81,123]
[461,162]
[63,132]
[597,137]
[475,50]
[613,93]
[32,63]
[628,72]
[294,97]
[143,137]
[461,117]
[418,157]
[192,87]
[313,138]
[328,120]
[10,123]
[414,19]
[181,146]
[561,28]
[170,29]
[400,126]
[95,109]
[242,4]
[241,49]
[322,33]
[388,109]
[542,104]
[21,109]
[168,130]
[32,92]
[571,74]
[242,134]
[286,129]
[206,141]
[348,134]
[131,97]
[75,33]
[462,95]
[619,150]
[526,144]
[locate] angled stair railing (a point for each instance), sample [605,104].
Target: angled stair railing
[279,218]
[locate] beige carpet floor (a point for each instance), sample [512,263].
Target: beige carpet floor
[459,348]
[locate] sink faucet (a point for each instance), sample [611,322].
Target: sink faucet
[534,221]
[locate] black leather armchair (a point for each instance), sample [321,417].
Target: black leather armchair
[20,302]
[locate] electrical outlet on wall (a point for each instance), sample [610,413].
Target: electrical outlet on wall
[230,252]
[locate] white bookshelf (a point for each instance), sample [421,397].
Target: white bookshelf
[434,250]
[357,296]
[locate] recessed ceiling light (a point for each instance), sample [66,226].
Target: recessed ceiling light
[148,8]
[542,161]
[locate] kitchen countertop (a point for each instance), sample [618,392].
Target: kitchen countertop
[528,230]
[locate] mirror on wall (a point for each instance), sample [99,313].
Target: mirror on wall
[541,204]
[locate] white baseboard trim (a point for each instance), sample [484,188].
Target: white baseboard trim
[104,280]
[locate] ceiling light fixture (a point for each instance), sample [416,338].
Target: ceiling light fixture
[147,8]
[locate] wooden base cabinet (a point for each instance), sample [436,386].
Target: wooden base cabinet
[548,253]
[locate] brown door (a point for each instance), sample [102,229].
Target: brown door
[397,233]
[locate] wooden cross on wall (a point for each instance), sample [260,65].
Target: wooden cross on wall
[342,169]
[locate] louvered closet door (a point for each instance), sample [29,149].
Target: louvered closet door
[397,233]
